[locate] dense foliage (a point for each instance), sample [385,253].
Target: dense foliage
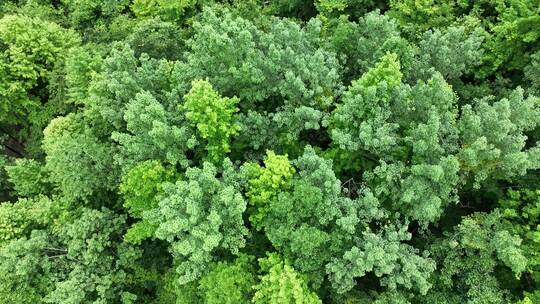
[287,151]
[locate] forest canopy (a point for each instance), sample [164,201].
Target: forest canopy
[270,152]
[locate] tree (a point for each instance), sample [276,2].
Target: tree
[282,284]
[509,27]
[80,166]
[82,64]
[323,232]
[213,116]
[520,213]
[158,39]
[31,48]
[200,216]
[532,72]
[351,8]
[288,85]
[141,187]
[135,103]
[407,135]
[363,43]
[229,283]
[28,178]
[259,65]
[18,219]
[493,137]
[453,52]
[169,10]
[468,259]
[84,14]
[265,183]
[374,133]
[69,258]
[97,271]
[122,77]
[153,133]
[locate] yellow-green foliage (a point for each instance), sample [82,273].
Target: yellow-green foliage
[229,282]
[30,48]
[214,117]
[266,182]
[141,188]
[282,284]
[167,9]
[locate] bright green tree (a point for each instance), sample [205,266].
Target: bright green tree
[229,282]
[28,177]
[213,116]
[31,48]
[167,9]
[265,183]
[281,283]
[141,187]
